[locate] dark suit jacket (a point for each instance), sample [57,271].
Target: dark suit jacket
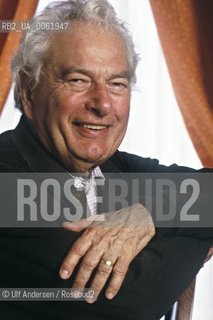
[31,257]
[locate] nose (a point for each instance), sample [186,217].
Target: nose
[99,101]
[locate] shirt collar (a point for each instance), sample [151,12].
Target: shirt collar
[80,182]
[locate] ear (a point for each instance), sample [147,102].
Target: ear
[24,84]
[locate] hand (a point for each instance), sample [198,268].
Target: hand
[117,239]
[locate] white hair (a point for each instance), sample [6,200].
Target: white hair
[34,45]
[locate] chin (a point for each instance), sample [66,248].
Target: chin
[97,154]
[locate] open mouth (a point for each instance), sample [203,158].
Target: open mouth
[95,127]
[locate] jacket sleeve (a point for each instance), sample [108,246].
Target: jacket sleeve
[135,164]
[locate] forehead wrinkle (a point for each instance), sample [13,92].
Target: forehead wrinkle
[72,69]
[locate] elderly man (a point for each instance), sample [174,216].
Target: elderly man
[74,90]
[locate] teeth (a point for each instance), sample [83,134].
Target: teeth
[94,127]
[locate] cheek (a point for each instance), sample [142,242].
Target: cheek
[123,110]
[67,103]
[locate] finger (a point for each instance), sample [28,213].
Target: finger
[118,274]
[103,273]
[77,251]
[88,264]
[91,260]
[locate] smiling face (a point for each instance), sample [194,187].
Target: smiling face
[80,107]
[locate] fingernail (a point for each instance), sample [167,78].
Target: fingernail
[90,300]
[64,274]
[109,295]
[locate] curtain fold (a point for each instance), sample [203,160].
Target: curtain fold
[7,10]
[185,29]
[18,10]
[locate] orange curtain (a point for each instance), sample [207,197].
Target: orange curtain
[18,10]
[7,9]
[186,28]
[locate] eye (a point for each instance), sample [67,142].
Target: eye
[76,80]
[118,86]
[78,83]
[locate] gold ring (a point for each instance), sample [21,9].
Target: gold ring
[108,263]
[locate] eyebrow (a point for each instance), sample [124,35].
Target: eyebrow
[67,70]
